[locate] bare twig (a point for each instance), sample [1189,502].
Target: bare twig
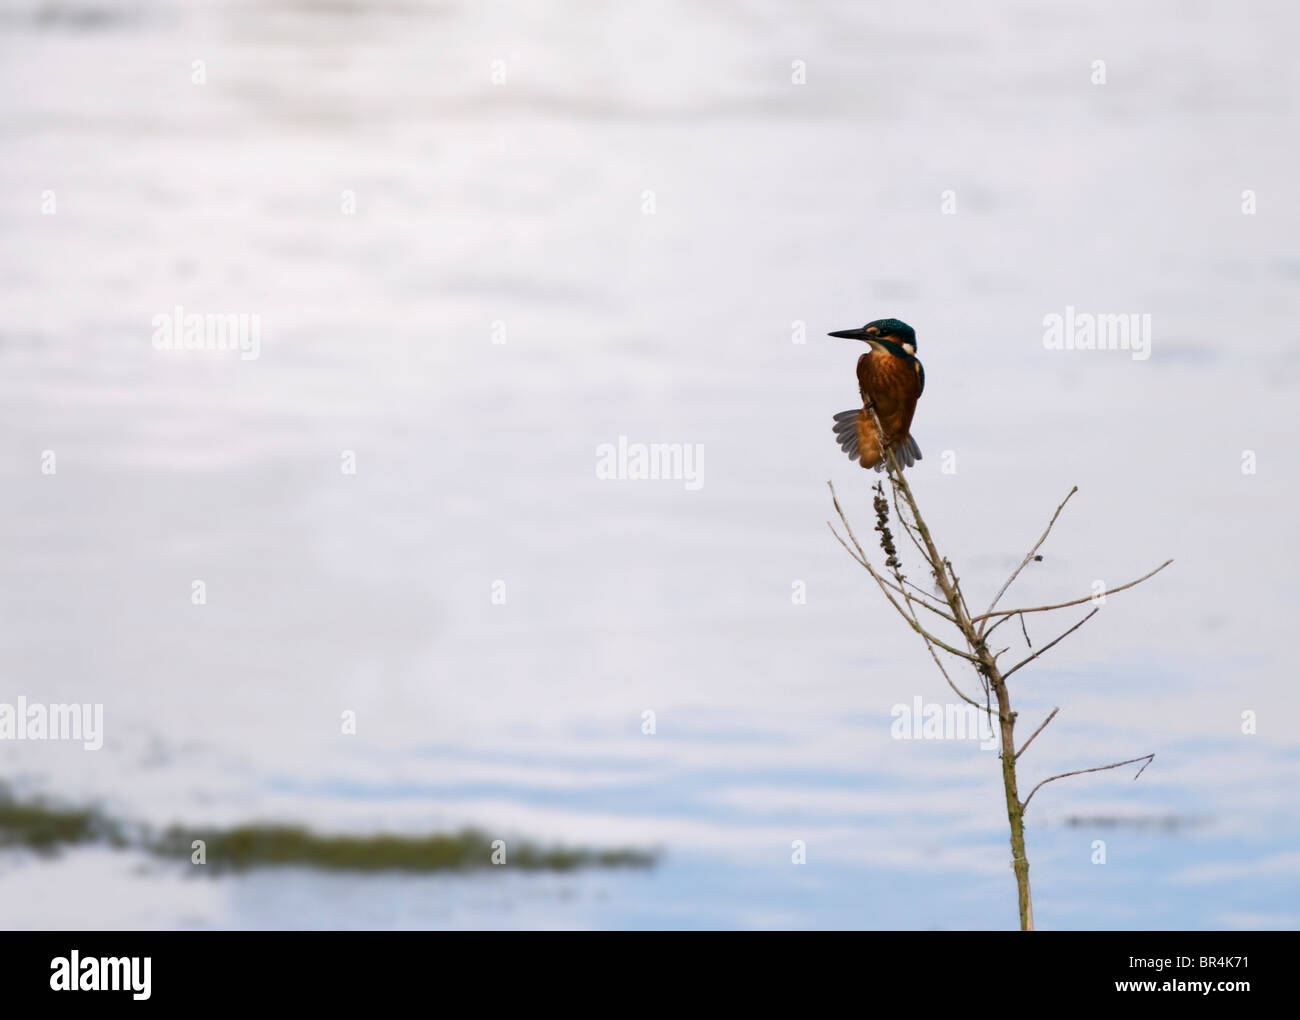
[922,593]
[930,640]
[918,595]
[932,557]
[885,588]
[1148,758]
[1025,745]
[916,626]
[908,527]
[1025,562]
[888,583]
[1026,662]
[956,583]
[1001,620]
[956,690]
[1073,602]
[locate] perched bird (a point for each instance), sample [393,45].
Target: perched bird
[891,379]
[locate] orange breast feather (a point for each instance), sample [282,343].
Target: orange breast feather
[894,385]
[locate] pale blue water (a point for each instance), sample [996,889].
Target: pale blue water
[524,204]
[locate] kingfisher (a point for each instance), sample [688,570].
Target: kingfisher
[891,379]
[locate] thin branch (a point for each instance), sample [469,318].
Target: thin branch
[1024,631]
[956,690]
[974,660]
[843,543]
[952,594]
[1148,758]
[1001,620]
[910,601]
[1025,562]
[926,636]
[917,598]
[1025,745]
[956,583]
[926,605]
[885,587]
[907,526]
[1026,662]
[922,593]
[946,581]
[932,557]
[1073,602]
[847,526]
[861,562]
[911,622]
[929,646]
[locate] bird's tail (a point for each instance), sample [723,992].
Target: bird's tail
[853,429]
[907,452]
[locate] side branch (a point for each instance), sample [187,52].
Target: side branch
[1148,758]
[937,563]
[920,598]
[1072,602]
[1025,746]
[1025,562]
[1026,662]
[885,589]
[885,586]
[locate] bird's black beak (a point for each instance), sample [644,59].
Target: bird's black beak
[853,334]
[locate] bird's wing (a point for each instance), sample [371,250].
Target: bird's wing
[846,432]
